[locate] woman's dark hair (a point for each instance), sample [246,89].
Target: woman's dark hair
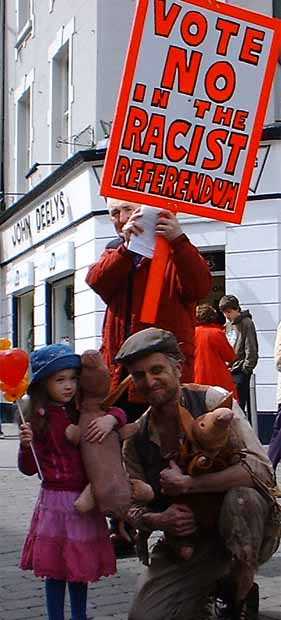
[206,314]
[36,411]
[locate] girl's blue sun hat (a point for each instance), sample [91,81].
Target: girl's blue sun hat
[50,359]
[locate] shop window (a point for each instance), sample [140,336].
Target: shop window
[62,310]
[24,328]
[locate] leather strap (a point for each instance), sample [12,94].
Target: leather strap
[186,421]
[115,394]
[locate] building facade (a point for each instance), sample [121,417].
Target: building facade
[63,65]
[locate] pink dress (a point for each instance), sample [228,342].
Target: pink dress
[63,543]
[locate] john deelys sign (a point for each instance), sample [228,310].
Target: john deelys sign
[43,217]
[50,215]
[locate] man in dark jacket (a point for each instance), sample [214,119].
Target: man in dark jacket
[241,333]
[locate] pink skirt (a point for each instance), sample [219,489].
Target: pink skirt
[64,544]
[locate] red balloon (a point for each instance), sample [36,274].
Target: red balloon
[13,366]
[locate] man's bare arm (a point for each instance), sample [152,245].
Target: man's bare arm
[174,483]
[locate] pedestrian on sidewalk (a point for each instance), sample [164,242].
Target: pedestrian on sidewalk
[274,450]
[241,334]
[213,353]
[62,545]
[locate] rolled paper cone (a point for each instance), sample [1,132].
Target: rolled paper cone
[31,446]
[155,281]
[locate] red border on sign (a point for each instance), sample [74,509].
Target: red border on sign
[107,189]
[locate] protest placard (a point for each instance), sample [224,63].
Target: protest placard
[191,107]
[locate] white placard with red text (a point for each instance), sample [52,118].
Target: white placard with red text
[191,107]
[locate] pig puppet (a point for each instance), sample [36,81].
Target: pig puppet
[109,487]
[205,450]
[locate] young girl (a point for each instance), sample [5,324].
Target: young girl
[62,544]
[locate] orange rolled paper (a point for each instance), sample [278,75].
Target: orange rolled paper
[155,281]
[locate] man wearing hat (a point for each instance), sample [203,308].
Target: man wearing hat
[170,588]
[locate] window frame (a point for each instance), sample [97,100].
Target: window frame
[64,37]
[26,85]
[26,30]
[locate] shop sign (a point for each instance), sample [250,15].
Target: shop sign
[52,214]
[58,262]
[20,278]
[191,107]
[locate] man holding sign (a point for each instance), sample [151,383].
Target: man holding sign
[120,277]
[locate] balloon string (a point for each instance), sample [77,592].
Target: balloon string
[31,445]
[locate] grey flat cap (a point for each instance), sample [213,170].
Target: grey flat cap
[150,340]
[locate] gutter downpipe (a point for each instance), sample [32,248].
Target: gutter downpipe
[276,8]
[2,100]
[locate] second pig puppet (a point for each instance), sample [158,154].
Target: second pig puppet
[206,448]
[108,487]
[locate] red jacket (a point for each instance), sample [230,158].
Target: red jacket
[121,284]
[212,351]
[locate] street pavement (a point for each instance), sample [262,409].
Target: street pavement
[22,595]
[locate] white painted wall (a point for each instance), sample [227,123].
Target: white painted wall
[99,48]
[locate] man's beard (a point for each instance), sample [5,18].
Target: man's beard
[162,397]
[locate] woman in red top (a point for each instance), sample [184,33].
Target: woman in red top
[212,351]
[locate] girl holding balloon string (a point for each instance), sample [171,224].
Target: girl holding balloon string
[62,544]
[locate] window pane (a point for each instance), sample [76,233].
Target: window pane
[24,13]
[63,310]
[23,141]
[60,103]
[25,307]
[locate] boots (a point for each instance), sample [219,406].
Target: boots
[227,609]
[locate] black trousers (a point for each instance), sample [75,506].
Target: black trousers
[243,388]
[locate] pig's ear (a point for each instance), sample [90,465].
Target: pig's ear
[216,397]
[227,401]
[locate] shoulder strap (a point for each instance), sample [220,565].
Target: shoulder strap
[186,421]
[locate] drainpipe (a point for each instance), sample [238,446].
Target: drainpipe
[276,11]
[2,100]
[276,6]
